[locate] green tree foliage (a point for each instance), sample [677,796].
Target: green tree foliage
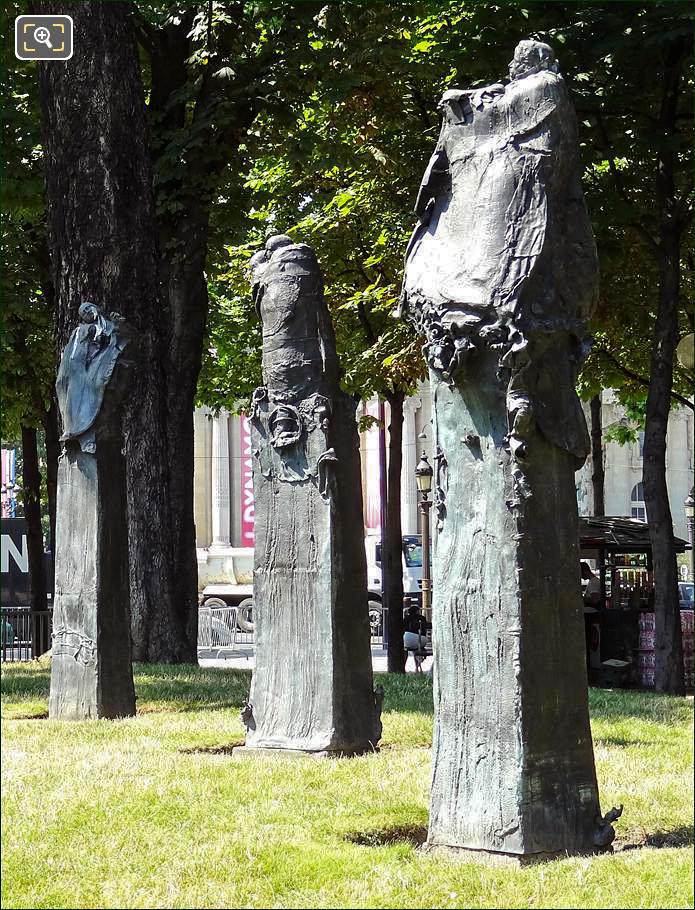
[317,120]
[337,166]
[339,163]
[27,349]
[618,52]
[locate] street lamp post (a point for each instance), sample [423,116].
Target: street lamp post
[423,476]
[690,518]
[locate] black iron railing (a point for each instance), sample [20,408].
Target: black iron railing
[24,634]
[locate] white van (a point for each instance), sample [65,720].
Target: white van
[412,575]
[226,580]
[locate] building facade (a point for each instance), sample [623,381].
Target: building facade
[224,471]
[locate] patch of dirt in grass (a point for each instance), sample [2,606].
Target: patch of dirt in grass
[679,837]
[42,715]
[211,750]
[413,834]
[180,708]
[401,747]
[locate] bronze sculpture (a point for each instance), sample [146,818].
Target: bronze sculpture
[312,688]
[501,277]
[91,671]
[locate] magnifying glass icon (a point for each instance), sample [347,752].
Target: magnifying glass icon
[43,36]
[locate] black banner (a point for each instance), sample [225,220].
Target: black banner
[14,562]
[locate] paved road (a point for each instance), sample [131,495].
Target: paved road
[241,658]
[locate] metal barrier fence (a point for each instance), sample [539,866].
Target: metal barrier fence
[224,629]
[24,634]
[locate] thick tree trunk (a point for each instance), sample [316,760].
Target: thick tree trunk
[183,242]
[598,472]
[103,245]
[392,546]
[183,245]
[668,670]
[31,496]
[184,277]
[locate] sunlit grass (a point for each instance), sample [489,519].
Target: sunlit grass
[153,811]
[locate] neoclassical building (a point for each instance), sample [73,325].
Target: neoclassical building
[224,487]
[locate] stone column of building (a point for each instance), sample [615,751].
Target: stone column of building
[410,459]
[220,481]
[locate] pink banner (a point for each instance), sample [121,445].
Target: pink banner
[247,499]
[8,477]
[373,491]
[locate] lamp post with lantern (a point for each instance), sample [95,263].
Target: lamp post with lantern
[689,505]
[423,477]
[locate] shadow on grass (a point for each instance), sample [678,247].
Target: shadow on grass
[416,835]
[621,742]
[212,750]
[394,834]
[37,715]
[188,687]
[176,706]
[30,680]
[161,687]
[626,704]
[408,693]
[683,836]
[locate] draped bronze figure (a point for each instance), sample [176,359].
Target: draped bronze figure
[501,278]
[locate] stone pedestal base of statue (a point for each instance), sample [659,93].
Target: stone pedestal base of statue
[513,765]
[312,689]
[91,672]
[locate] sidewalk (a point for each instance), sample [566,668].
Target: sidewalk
[242,658]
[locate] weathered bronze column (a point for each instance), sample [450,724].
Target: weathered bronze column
[91,670]
[312,688]
[501,276]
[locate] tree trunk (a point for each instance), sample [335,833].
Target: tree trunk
[183,243]
[31,496]
[392,545]
[52,435]
[184,278]
[668,670]
[102,232]
[184,196]
[598,472]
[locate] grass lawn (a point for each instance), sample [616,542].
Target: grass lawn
[153,811]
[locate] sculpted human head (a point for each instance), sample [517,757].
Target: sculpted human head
[89,312]
[531,57]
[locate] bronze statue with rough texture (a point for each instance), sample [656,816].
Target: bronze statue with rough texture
[501,277]
[312,688]
[91,671]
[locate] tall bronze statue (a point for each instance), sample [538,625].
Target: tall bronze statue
[501,278]
[91,671]
[312,688]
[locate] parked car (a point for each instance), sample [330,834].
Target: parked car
[686,595]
